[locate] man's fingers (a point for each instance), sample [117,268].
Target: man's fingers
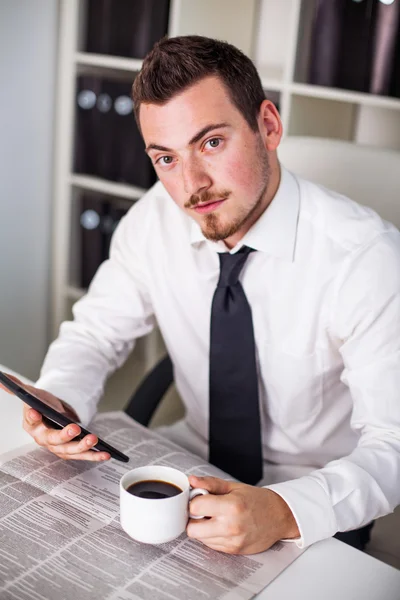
[45,435]
[214,485]
[91,455]
[32,417]
[220,545]
[74,447]
[217,542]
[55,437]
[81,449]
[209,505]
[206,529]
[223,499]
[60,442]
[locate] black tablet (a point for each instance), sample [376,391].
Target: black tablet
[54,418]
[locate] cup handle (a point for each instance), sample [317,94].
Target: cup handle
[192,494]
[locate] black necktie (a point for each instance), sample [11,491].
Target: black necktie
[235,431]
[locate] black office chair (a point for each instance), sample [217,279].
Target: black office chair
[150,392]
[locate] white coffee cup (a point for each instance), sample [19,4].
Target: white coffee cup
[156,521]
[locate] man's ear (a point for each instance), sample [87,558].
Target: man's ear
[270,125]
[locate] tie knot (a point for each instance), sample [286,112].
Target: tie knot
[231,266]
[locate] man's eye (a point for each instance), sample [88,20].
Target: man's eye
[214,142]
[164,160]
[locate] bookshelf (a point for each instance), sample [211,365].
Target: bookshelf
[276,35]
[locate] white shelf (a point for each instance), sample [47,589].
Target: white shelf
[111,188]
[116,63]
[74,293]
[317,91]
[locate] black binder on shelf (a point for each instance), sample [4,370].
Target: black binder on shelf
[92,248]
[98,218]
[125,27]
[130,163]
[325,42]
[88,150]
[354,64]
[108,143]
[386,32]
[342,43]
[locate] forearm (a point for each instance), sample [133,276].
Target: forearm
[76,369]
[107,321]
[347,493]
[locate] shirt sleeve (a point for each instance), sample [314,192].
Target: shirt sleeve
[116,311]
[353,490]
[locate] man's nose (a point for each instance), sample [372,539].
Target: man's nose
[195,178]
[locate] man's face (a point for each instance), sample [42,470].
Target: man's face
[212,164]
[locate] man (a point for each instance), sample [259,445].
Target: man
[279,304]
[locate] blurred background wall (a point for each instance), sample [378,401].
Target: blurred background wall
[28,52]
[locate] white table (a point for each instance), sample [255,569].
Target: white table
[328,570]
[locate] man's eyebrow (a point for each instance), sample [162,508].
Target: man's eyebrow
[194,139]
[206,130]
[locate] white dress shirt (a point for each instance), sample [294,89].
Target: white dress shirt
[324,289]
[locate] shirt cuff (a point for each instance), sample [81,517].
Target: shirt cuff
[311,508]
[85,409]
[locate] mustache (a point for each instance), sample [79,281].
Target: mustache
[206,196]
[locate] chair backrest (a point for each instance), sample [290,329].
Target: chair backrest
[369,175]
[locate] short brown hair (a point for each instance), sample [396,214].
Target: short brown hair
[175,64]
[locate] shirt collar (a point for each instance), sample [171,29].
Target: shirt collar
[276,229]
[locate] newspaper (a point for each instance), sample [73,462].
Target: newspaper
[60,535]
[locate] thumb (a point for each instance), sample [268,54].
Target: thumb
[214,485]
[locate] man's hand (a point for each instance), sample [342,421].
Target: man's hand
[58,441]
[243,519]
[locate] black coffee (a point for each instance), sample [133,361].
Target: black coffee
[153,489]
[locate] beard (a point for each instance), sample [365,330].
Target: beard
[212,226]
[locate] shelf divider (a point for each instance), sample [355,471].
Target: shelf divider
[117,63]
[318,91]
[110,188]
